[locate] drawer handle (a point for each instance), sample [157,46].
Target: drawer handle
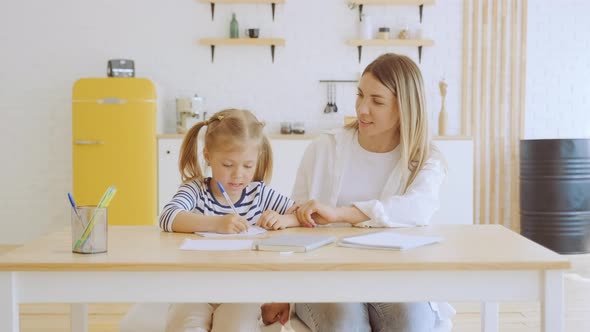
[87,142]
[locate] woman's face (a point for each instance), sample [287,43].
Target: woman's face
[376,108]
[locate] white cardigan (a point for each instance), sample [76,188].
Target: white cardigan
[320,178]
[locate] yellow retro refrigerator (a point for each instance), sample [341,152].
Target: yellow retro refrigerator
[114,143]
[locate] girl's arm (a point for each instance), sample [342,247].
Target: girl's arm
[188,222]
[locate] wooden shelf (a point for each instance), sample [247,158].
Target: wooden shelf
[393,2]
[243,41]
[390,42]
[272,42]
[245,1]
[272,4]
[359,43]
[419,3]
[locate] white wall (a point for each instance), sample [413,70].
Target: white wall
[558,70]
[47,45]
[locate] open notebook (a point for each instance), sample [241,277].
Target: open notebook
[388,240]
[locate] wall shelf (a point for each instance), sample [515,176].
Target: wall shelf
[271,2]
[359,43]
[419,3]
[272,42]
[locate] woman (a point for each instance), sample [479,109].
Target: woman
[380,171]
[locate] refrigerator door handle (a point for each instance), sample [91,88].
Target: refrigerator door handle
[87,142]
[112,101]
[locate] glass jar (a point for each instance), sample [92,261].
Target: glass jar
[299,128]
[285,128]
[383,33]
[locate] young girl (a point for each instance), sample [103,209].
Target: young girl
[240,158]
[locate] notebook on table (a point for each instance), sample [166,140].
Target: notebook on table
[388,240]
[293,242]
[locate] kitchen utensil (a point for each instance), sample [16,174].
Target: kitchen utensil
[334,107]
[328,108]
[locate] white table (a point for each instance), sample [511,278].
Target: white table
[488,263]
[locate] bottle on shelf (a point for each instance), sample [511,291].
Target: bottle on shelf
[234,29]
[366,28]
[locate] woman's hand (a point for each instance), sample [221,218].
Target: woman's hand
[275,312]
[312,212]
[231,224]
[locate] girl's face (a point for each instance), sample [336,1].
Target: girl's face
[376,109]
[234,169]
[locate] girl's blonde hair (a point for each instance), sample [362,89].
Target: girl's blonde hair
[226,130]
[402,76]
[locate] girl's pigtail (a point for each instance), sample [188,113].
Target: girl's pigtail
[264,167]
[188,164]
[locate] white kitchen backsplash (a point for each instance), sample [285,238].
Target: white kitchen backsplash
[49,48]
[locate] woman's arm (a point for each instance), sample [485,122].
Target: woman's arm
[415,207]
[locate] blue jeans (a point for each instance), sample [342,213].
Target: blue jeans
[367,317]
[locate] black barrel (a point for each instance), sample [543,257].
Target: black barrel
[555,193]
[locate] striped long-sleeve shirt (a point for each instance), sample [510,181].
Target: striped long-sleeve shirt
[196,197]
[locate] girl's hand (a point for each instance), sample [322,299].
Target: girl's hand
[269,219]
[275,312]
[293,208]
[312,212]
[231,224]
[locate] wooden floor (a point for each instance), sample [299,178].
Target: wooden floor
[514,317]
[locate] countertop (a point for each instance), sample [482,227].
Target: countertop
[312,136]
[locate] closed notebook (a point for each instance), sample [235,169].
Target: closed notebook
[293,242]
[388,240]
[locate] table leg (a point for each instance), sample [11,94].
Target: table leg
[79,317]
[490,317]
[552,304]
[9,317]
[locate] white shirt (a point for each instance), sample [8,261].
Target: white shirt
[364,175]
[321,175]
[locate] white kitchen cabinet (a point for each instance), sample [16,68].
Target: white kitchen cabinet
[287,154]
[168,173]
[456,195]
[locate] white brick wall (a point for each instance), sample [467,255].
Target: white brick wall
[47,45]
[558,70]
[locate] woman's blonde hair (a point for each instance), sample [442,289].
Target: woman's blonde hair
[402,76]
[226,130]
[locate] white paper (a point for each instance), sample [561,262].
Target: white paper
[216,245]
[388,240]
[252,230]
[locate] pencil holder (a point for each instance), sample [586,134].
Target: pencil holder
[89,230]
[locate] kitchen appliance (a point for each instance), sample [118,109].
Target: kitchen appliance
[114,143]
[188,112]
[120,68]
